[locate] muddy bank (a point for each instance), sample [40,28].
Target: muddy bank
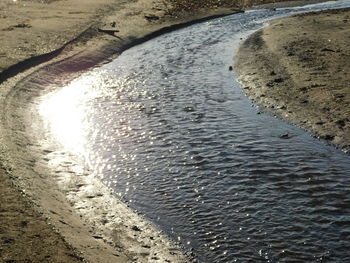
[299,67]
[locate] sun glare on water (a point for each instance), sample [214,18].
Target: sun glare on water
[64,114]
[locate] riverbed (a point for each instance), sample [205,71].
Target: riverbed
[169,130]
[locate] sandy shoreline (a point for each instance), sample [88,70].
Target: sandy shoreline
[298,68]
[43,220]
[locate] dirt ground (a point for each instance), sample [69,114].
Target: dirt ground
[24,235]
[299,66]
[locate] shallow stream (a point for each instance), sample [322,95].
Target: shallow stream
[168,128]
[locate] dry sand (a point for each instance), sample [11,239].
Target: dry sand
[39,221]
[299,67]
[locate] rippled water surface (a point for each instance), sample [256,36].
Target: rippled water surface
[168,128]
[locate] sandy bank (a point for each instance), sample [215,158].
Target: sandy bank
[299,67]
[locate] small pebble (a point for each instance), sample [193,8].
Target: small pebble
[284,136]
[136,228]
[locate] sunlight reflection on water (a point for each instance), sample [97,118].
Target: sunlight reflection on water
[65,114]
[177,137]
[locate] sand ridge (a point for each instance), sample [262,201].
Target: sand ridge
[299,67]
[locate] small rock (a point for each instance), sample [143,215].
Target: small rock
[339,96]
[188,109]
[327,137]
[62,222]
[327,50]
[151,17]
[270,84]
[24,223]
[22,25]
[108,31]
[285,136]
[340,123]
[230,68]
[278,80]
[136,228]
[7,240]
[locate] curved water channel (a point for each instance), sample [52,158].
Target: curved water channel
[167,127]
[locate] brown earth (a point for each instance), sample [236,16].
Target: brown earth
[24,235]
[31,35]
[299,67]
[180,6]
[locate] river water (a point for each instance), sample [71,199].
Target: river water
[167,127]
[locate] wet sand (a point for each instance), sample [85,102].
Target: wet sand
[298,67]
[25,236]
[38,222]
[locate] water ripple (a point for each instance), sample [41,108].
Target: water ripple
[170,131]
